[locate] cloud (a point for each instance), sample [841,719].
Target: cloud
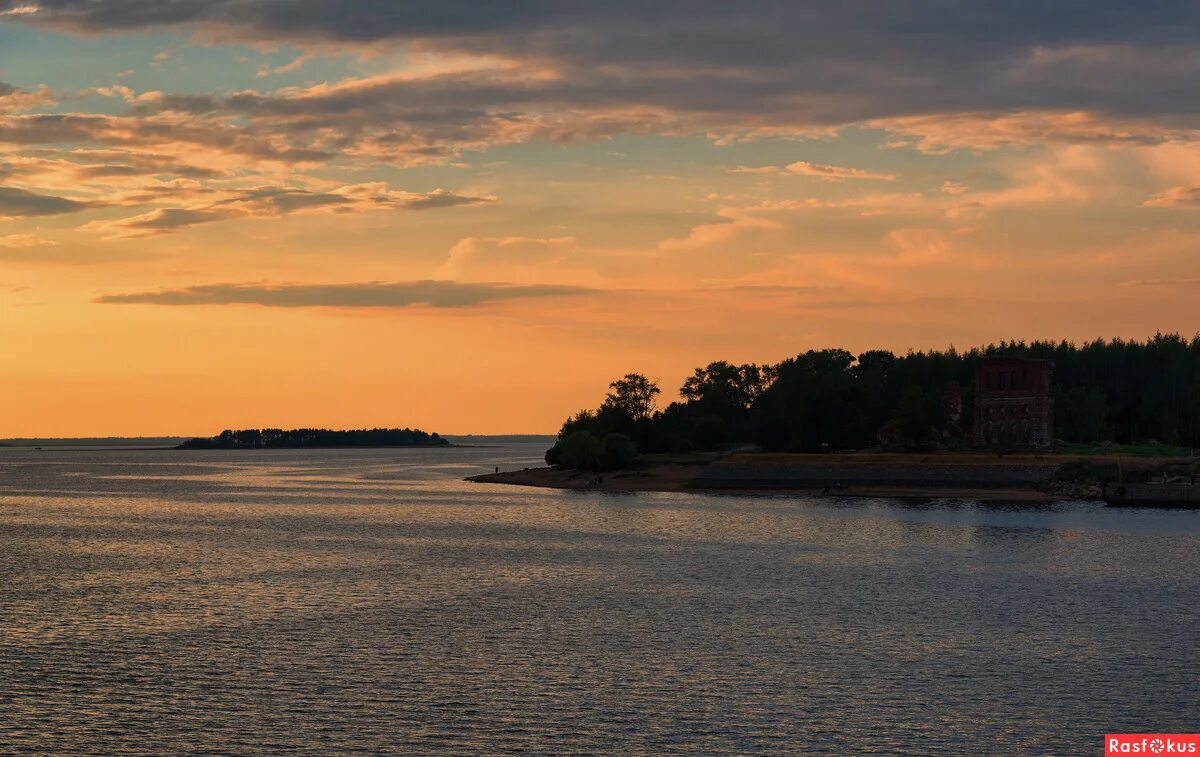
[287,68]
[375,294]
[791,63]
[738,222]
[836,173]
[478,77]
[157,222]
[14,100]
[20,203]
[1175,197]
[92,165]
[511,253]
[826,172]
[413,118]
[191,137]
[24,242]
[19,10]
[566,71]
[941,132]
[1162,283]
[268,201]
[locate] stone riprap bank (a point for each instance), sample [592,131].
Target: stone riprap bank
[742,474]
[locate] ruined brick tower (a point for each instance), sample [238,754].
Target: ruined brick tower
[1014,402]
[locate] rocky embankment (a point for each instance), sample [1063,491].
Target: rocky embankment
[851,472]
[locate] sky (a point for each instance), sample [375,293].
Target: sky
[471,217]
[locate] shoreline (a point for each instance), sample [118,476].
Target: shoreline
[681,478]
[1030,476]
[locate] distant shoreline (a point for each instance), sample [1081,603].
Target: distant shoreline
[176,447]
[162,442]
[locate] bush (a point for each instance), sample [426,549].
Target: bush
[582,451]
[619,451]
[554,455]
[709,432]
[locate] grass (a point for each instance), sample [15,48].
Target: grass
[1130,450]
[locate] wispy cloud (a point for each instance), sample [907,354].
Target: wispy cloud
[374,294]
[1182,282]
[20,203]
[820,171]
[264,202]
[27,9]
[15,100]
[24,242]
[1175,197]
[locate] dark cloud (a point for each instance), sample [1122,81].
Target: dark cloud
[818,61]
[370,196]
[431,293]
[138,168]
[375,20]
[442,198]
[143,133]
[260,202]
[281,201]
[19,203]
[87,166]
[164,221]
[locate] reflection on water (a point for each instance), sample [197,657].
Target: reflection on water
[339,601]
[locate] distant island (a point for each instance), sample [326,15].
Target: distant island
[299,438]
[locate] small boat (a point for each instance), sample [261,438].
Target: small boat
[1165,492]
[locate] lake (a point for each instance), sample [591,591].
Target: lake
[370,601]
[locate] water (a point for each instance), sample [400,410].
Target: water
[163,602]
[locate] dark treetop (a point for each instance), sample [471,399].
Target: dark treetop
[1128,392]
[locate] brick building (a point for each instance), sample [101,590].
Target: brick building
[1014,402]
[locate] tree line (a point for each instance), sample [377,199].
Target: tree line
[1120,391]
[275,438]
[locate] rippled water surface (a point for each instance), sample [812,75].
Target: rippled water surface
[331,602]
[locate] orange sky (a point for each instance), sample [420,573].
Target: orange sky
[472,226]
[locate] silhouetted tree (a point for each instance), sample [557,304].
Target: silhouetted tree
[1115,390]
[635,395]
[718,400]
[913,420]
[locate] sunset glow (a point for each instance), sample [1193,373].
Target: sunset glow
[473,217]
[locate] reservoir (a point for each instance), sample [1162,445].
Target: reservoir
[371,601]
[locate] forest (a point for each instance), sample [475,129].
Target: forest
[274,438]
[1118,391]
